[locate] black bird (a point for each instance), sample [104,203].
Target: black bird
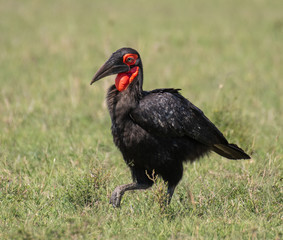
[158,130]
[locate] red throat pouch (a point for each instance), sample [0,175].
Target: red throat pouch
[123,80]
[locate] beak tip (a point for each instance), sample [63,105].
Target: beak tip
[93,80]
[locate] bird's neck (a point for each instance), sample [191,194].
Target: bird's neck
[135,87]
[124,101]
[124,79]
[130,82]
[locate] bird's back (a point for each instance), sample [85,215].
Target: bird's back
[167,113]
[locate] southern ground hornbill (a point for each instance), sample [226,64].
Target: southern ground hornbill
[158,130]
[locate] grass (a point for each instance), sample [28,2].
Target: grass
[58,164]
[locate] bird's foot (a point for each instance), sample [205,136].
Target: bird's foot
[115,199]
[119,191]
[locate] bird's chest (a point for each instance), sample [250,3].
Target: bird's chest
[125,132]
[132,141]
[125,135]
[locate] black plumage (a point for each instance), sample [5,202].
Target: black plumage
[156,131]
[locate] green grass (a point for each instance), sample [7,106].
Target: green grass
[58,165]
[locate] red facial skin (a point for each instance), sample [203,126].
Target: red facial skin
[123,80]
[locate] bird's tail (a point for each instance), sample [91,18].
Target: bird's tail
[231,151]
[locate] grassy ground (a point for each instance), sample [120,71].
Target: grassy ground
[58,164]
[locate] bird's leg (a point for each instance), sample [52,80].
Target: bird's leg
[120,190]
[170,192]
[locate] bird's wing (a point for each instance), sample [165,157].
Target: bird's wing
[167,113]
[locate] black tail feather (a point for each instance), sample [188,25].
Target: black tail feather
[231,151]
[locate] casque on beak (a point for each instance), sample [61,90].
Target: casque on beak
[112,66]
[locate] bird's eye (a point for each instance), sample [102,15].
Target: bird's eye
[130,60]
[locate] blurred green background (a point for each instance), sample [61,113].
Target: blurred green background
[58,164]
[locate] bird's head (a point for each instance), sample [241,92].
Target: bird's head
[126,63]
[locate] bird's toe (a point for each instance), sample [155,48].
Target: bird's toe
[115,199]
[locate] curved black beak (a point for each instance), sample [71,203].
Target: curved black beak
[112,66]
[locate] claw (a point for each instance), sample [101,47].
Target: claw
[115,198]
